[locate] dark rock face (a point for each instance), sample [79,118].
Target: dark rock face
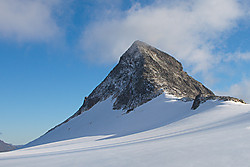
[196,102]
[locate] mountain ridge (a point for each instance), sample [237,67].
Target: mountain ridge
[6,147]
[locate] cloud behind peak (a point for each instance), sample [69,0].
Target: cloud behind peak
[189,30]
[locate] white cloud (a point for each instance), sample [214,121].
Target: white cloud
[27,20]
[238,56]
[188,30]
[241,90]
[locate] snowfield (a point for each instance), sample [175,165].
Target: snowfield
[163,132]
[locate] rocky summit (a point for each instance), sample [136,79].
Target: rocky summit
[142,74]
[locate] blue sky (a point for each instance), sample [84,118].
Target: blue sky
[54,53]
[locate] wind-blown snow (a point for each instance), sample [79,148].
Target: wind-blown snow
[162,132]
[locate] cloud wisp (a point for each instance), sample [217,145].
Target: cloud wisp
[189,30]
[238,56]
[241,90]
[27,20]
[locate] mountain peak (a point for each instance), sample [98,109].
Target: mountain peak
[139,43]
[136,49]
[142,74]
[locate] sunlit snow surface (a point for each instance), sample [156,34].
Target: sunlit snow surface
[162,132]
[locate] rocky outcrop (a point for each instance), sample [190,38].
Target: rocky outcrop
[203,98]
[196,102]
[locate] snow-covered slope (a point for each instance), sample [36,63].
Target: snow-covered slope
[103,120]
[162,132]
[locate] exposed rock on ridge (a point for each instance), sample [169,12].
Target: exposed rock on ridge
[202,99]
